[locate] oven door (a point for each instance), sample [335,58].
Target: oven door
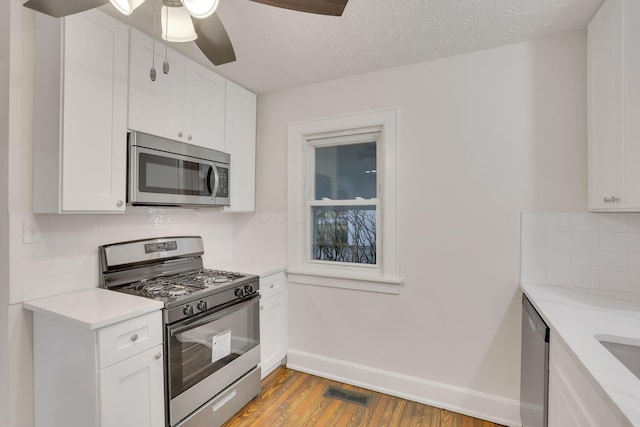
[161,178]
[209,352]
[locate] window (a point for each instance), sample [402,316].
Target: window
[343,199]
[342,202]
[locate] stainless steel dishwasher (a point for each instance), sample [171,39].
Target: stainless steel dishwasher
[534,371]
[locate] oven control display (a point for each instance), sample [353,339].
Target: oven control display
[151,248]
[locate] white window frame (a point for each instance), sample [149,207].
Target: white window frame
[303,136]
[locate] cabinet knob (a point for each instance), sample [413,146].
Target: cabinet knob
[157,356]
[189,137]
[134,337]
[612,199]
[180,134]
[272,286]
[120,203]
[262,307]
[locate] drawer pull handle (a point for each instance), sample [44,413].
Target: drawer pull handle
[134,338]
[224,401]
[157,356]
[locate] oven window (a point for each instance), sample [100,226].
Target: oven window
[167,175]
[198,352]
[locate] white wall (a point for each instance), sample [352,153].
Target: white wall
[482,137]
[4,210]
[61,253]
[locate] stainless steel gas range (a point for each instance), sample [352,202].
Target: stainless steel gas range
[211,325]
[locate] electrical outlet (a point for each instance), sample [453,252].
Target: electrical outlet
[30,232]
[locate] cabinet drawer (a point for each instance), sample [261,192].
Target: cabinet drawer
[125,339]
[272,284]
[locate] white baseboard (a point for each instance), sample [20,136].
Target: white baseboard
[457,399]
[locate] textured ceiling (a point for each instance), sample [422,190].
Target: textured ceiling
[278,49]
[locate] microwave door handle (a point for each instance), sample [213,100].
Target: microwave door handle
[209,186]
[213,317]
[216,181]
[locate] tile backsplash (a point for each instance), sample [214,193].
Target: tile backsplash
[590,250]
[53,254]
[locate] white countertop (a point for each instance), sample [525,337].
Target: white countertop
[94,308]
[577,316]
[259,268]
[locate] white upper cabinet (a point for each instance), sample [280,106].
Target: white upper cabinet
[204,106]
[80,113]
[153,105]
[614,107]
[240,142]
[187,104]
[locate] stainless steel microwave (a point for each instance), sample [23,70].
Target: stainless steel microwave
[163,172]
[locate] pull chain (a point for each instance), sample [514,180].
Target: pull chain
[165,65]
[152,72]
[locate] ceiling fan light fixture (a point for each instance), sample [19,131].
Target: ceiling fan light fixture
[180,25]
[201,9]
[126,7]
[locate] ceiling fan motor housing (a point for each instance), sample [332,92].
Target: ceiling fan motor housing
[172,3]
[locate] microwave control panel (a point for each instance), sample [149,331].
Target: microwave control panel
[223,182]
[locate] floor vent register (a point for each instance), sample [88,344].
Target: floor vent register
[347,395]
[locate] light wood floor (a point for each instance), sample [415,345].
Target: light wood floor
[295,399]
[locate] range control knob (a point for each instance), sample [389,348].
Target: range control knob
[239,292]
[188,310]
[202,305]
[248,289]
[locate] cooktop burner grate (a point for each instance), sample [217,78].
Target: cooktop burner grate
[176,285]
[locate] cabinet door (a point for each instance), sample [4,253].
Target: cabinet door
[95,113]
[573,398]
[155,107]
[563,411]
[132,391]
[240,142]
[273,332]
[614,106]
[204,107]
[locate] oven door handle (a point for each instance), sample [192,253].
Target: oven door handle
[185,326]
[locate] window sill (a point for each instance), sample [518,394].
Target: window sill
[380,284]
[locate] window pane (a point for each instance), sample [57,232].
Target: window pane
[345,172]
[344,234]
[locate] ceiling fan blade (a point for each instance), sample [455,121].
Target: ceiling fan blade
[213,40]
[60,8]
[321,7]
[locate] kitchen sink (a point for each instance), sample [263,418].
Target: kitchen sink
[627,354]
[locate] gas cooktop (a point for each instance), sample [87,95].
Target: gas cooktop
[173,287]
[169,269]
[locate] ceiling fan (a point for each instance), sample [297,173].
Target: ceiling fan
[208,32]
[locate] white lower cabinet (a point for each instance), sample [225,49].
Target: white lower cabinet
[573,399]
[109,377]
[132,392]
[273,322]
